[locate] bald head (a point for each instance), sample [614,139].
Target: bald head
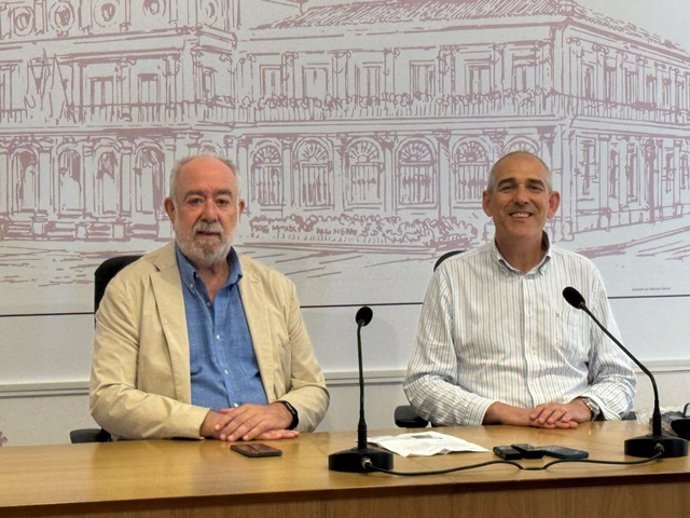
[491,185]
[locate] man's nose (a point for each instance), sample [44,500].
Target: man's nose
[209,212]
[521,194]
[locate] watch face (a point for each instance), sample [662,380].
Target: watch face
[593,407]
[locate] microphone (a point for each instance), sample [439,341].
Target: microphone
[363,458]
[363,317]
[644,445]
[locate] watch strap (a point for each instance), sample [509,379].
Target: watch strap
[293,413]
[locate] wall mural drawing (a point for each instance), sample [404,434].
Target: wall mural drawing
[363,131]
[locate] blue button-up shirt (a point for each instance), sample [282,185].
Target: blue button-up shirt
[224,370]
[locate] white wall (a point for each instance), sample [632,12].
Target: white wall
[46,284]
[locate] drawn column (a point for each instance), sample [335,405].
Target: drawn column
[290,178]
[243,167]
[126,181]
[389,57]
[387,141]
[564,151]
[288,76]
[81,226]
[444,187]
[602,166]
[4,183]
[502,68]
[339,144]
[340,70]
[446,62]
[44,192]
[169,147]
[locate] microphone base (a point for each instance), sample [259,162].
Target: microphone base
[646,446]
[351,461]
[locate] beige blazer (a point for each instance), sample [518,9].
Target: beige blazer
[140,374]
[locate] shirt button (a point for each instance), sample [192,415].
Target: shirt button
[226,371]
[217,337]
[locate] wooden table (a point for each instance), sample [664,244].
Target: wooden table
[204,478]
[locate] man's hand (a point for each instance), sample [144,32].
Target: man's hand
[550,415]
[249,422]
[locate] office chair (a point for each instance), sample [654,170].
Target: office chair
[405,416]
[102,276]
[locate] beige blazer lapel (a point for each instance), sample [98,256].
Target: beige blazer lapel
[252,293]
[167,289]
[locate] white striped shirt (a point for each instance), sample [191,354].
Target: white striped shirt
[489,333]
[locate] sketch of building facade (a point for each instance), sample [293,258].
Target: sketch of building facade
[354,124]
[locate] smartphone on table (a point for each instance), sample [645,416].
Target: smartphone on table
[256,449]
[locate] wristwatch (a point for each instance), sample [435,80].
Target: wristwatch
[293,413]
[593,407]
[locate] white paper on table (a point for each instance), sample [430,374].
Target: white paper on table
[424,443]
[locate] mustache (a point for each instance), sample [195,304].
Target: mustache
[202,226]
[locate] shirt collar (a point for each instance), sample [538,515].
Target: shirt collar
[189,274]
[545,245]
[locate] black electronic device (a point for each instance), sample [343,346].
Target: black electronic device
[563,452]
[363,458]
[646,445]
[529,451]
[681,426]
[507,452]
[256,449]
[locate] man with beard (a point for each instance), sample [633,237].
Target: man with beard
[193,341]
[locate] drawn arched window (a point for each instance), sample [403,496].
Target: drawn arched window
[148,187]
[70,184]
[26,187]
[364,170]
[316,183]
[522,145]
[267,177]
[106,189]
[470,172]
[416,174]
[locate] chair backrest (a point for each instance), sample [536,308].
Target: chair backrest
[106,271]
[446,256]
[405,416]
[102,276]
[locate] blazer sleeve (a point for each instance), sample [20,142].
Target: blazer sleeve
[134,393]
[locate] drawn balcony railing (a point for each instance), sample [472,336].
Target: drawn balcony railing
[183,112]
[177,113]
[224,110]
[531,103]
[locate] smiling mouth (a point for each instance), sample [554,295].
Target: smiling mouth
[520,215]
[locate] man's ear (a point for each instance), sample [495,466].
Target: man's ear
[169,209]
[241,205]
[554,203]
[486,203]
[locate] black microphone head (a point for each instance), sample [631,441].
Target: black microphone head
[574,297]
[364,315]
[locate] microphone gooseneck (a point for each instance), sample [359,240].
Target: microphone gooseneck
[363,458]
[648,445]
[363,317]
